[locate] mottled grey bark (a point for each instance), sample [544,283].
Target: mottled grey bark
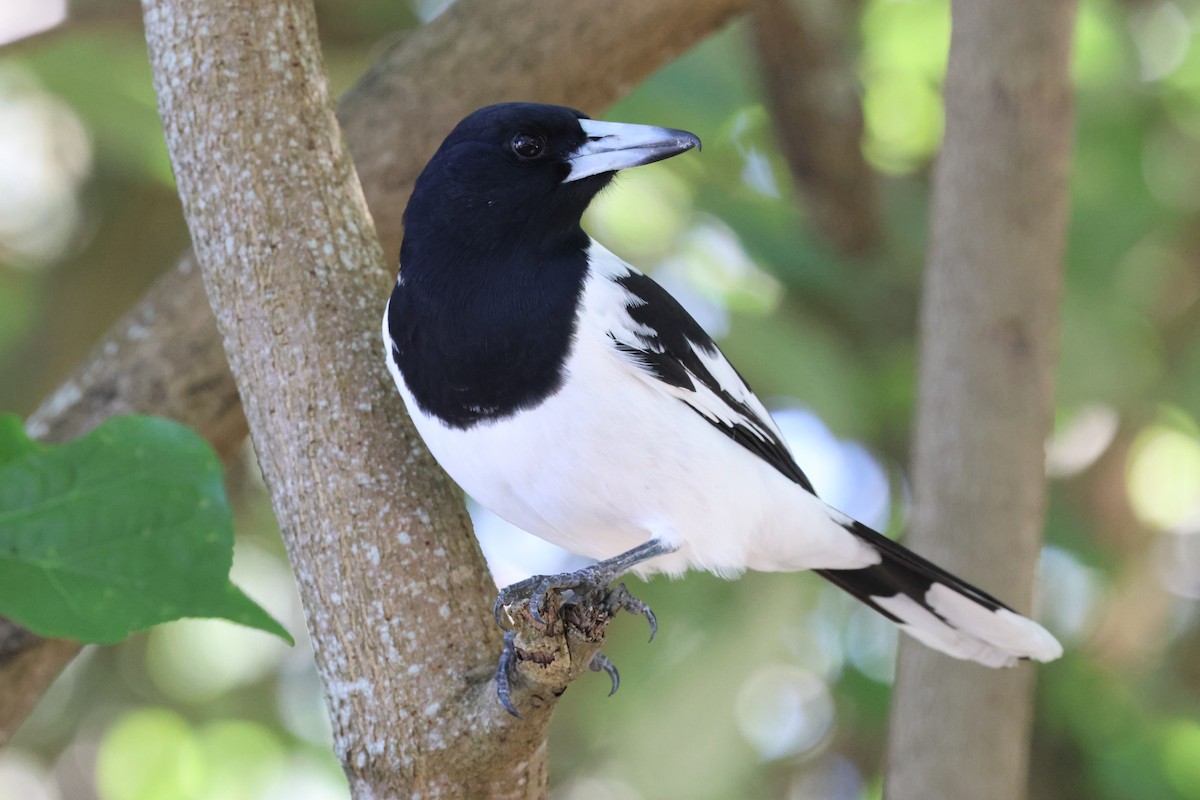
[394,588]
[989,338]
[395,116]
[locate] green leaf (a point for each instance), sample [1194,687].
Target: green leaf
[13,441]
[119,530]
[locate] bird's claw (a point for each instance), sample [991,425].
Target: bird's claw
[535,589]
[543,587]
[508,658]
[601,662]
[621,598]
[498,607]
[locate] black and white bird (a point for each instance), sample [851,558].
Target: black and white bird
[574,397]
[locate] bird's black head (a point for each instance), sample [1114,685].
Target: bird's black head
[524,173]
[494,261]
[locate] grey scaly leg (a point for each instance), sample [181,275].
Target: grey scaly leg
[583,583]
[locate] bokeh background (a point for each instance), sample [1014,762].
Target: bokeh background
[773,686]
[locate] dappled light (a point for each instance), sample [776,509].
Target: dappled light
[1164,479]
[44,156]
[783,711]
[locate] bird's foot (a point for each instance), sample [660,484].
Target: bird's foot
[588,586]
[588,589]
[590,603]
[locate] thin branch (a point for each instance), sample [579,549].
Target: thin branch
[1129,630]
[580,54]
[808,76]
[989,340]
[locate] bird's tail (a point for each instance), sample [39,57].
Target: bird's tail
[940,610]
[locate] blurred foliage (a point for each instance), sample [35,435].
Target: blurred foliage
[773,685]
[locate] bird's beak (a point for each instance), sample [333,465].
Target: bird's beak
[617,145]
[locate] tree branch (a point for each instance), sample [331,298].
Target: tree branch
[811,88]
[989,338]
[586,54]
[580,54]
[1129,630]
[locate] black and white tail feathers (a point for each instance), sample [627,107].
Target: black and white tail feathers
[939,609]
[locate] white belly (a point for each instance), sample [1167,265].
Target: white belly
[603,472]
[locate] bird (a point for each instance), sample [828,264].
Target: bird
[573,396]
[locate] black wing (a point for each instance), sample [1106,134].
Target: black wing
[665,342]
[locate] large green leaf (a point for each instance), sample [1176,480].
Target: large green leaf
[119,530]
[13,441]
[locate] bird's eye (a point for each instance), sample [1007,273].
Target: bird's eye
[528,145]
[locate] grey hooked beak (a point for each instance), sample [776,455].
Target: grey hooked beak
[617,145]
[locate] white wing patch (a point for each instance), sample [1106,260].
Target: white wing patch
[624,329]
[667,350]
[720,368]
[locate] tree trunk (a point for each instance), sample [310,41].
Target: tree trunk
[394,117]
[377,537]
[989,333]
